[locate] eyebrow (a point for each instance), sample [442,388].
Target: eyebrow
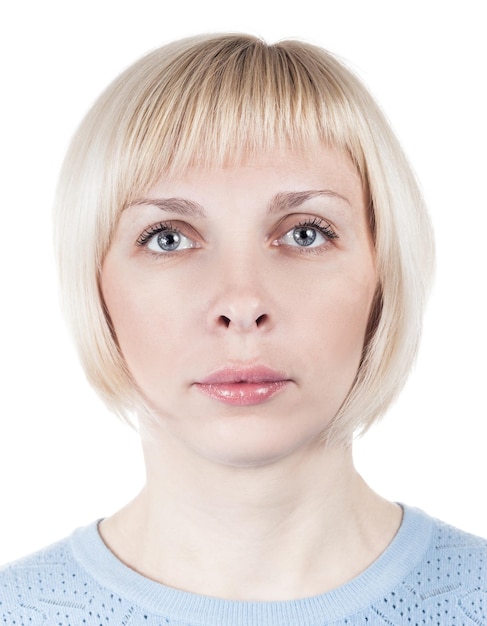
[290,200]
[185,207]
[281,202]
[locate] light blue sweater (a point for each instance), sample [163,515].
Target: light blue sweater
[431,574]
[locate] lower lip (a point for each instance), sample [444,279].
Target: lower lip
[242,394]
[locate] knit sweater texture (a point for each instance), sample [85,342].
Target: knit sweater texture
[431,574]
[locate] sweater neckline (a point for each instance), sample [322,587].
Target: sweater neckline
[389,569]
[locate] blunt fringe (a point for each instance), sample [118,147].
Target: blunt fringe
[217,100]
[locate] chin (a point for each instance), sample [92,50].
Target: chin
[256,448]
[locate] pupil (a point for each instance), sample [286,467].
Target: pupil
[169,240]
[304,236]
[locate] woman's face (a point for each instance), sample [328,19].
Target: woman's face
[240,298]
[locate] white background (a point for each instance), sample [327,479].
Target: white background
[64,460]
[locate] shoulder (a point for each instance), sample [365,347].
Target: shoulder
[446,583]
[23,583]
[456,555]
[63,585]
[44,587]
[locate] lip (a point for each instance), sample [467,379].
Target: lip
[243,386]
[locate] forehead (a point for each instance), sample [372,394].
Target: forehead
[285,169]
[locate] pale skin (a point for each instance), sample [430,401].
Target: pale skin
[269,264]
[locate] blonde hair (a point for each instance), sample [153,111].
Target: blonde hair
[219,99]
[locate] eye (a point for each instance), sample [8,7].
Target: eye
[168,241]
[309,234]
[165,238]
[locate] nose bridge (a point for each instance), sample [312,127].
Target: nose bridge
[241,300]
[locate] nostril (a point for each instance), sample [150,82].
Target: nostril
[241,324]
[225,320]
[261,319]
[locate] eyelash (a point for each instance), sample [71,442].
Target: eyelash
[323,227]
[150,232]
[320,225]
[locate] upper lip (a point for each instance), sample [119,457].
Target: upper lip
[237,374]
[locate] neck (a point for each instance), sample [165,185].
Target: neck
[292,528]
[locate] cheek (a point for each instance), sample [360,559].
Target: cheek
[147,321]
[334,321]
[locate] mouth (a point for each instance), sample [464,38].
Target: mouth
[243,386]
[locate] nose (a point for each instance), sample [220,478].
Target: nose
[242,314]
[240,306]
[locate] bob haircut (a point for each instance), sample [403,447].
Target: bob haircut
[218,100]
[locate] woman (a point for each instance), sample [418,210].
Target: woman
[244,257]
